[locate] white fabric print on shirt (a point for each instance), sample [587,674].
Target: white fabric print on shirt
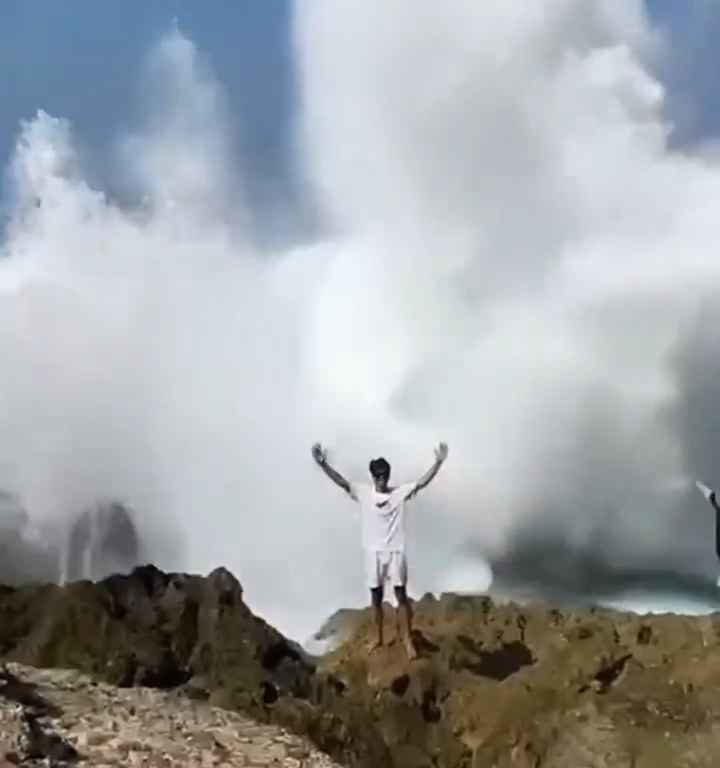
[382,516]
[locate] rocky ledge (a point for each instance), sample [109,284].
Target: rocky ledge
[495,685]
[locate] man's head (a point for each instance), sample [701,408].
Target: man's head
[380,473]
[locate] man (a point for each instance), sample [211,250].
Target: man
[382,509]
[710,495]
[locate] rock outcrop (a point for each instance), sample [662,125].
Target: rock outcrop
[495,685]
[533,687]
[186,633]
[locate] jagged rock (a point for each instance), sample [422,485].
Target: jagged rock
[151,628]
[497,685]
[179,631]
[509,685]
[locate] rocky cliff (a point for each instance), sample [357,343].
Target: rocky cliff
[496,685]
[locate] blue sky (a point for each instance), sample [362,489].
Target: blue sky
[692,27]
[84,64]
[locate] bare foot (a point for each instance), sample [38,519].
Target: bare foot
[410,649]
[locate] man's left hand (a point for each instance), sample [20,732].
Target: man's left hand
[441,453]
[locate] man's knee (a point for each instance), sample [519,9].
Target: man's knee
[376,596]
[401,595]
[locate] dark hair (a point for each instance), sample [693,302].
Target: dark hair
[379,467]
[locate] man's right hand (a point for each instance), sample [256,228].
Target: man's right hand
[319,454]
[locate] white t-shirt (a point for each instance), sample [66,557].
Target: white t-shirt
[382,516]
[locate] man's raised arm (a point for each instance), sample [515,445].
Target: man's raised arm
[320,456]
[441,453]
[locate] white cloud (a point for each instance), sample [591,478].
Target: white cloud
[518,253]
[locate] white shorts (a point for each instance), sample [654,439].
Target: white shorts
[385,566]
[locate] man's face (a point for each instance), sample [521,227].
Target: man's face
[381,481]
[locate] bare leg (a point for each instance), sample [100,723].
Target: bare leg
[404,610]
[377,599]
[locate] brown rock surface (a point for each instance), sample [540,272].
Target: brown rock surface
[193,634]
[508,685]
[495,685]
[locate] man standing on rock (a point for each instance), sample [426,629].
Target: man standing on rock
[382,509]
